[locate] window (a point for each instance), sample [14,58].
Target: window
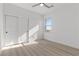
[48,24]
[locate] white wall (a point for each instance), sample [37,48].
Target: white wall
[23,14]
[66,30]
[1,22]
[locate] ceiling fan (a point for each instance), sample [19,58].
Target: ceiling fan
[42,4]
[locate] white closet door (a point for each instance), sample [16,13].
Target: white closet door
[11,23]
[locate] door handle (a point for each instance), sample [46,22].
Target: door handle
[6,32]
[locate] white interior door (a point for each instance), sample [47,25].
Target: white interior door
[11,24]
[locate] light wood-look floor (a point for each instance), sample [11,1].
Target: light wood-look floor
[40,48]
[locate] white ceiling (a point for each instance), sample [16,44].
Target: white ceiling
[38,9]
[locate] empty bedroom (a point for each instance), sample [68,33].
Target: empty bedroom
[39,29]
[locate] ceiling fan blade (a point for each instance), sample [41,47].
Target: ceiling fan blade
[46,5]
[36,4]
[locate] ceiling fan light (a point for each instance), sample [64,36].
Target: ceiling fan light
[41,4]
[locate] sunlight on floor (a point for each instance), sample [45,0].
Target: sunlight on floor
[19,45]
[10,47]
[31,43]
